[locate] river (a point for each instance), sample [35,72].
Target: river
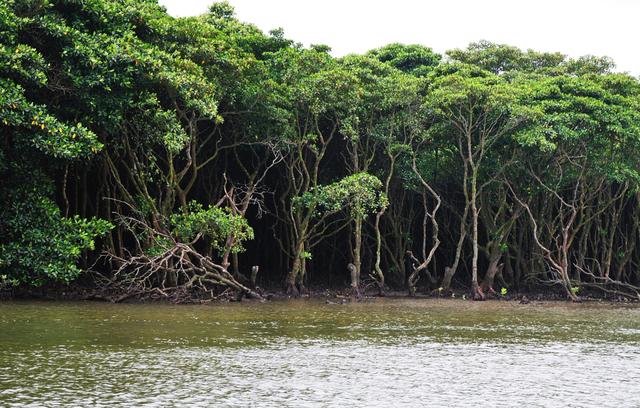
[387,352]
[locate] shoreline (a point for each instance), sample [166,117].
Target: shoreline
[329,296]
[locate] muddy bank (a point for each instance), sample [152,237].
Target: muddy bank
[329,295]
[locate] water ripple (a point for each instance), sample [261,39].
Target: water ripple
[284,355]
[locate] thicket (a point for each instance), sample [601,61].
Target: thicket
[146,154]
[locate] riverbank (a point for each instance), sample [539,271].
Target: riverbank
[329,295]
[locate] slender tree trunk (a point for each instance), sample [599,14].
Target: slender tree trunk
[357,248]
[450,271]
[355,290]
[378,270]
[302,277]
[494,267]
[476,291]
[235,265]
[296,267]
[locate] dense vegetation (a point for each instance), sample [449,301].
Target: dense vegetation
[145,154]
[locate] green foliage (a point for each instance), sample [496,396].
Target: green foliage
[6,282]
[38,244]
[35,127]
[414,59]
[501,58]
[310,89]
[596,117]
[471,108]
[221,10]
[473,90]
[359,193]
[213,223]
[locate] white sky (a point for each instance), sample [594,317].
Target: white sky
[573,27]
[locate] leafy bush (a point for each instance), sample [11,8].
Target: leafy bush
[213,223]
[38,244]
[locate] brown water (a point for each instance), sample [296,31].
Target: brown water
[390,352]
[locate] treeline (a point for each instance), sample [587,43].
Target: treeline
[149,155]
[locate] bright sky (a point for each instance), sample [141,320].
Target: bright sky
[573,27]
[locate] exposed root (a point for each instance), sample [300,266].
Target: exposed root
[195,278]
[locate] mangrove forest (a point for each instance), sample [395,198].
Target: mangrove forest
[200,158]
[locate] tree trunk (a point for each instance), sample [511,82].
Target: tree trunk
[292,277]
[377,269]
[494,266]
[446,279]
[476,291]
[355,289]
[357,249]
[235,265]
[450,271]
[302,275]
[254,275]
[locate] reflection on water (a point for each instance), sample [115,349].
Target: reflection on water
[389,352]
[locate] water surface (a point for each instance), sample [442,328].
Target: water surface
[388,352]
